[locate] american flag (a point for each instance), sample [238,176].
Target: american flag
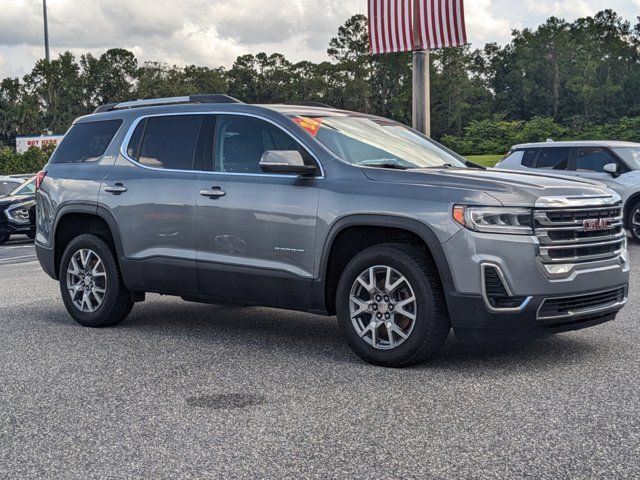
[439,24]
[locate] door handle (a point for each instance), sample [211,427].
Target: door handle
[117,189]
[215,192]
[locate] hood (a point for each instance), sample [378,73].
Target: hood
[509,187]
[6,201]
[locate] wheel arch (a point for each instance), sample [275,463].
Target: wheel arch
[328,275]
[628,205]
[98,220]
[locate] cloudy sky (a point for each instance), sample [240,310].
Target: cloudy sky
[215,32]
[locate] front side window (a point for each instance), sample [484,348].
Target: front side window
[242,140]
[554,158]
[631,155]
[167,142]
[377,142]
[85,142]
[592,159]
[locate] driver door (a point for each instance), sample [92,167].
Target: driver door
[256,231]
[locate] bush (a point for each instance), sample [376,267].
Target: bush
[31,161]
[497,136]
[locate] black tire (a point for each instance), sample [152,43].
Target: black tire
[116,303]
[634,211]
[4,238]
[431,325]
[31,235]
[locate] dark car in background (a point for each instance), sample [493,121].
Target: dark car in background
[18,211]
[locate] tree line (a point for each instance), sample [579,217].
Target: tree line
[560,80]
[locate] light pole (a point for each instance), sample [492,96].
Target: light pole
[46,30]
[421,101]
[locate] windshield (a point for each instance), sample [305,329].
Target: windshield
[631,156]
[27,188]
[376,142]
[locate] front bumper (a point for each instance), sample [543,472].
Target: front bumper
[473,318]
[14,228]
[526,276]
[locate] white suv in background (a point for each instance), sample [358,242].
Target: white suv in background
[616,164]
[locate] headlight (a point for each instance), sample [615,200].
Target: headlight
[516,221]
[19,212]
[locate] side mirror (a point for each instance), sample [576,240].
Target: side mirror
[611,168]
[285,161]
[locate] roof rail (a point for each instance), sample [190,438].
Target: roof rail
[310,104]
[206,98]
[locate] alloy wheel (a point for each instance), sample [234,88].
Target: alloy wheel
[86,280]
[383,307]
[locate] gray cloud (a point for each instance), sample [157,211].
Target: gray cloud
[215,32]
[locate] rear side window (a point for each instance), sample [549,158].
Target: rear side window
[85,142]
[166,142]
[555,158]
[592,159]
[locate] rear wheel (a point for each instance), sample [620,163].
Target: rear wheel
[90,283]
[4,238]
[633,222]
[391,307]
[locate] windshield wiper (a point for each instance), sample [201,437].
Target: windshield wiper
[383,163]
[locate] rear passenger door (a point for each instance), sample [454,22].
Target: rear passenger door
[556,159]
[256,230]
[151,192]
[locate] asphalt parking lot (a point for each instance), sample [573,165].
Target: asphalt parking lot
[187,390]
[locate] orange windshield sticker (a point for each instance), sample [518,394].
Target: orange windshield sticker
[311,125]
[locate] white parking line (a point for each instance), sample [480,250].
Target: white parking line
[15,258]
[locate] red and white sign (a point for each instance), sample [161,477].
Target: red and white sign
[440,24]
[25,143]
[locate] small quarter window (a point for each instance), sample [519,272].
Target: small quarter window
[85,142]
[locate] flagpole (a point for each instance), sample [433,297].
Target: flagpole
[420,82]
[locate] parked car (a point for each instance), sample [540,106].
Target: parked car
[616,164]
[17,211]
[8,185]
[327,211]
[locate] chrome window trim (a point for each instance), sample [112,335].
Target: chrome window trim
[134,124]
[505,284]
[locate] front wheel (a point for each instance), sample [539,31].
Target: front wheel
[633,222]
[90,283]
[391,306]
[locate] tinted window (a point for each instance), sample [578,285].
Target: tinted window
[28,188]
[241,141]
[592,159]
[85,142]
[7,187]
[556,158]
[528,158]
[166,142]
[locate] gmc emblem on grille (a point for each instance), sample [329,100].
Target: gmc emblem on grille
[594,224]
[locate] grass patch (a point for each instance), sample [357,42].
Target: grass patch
[485,160]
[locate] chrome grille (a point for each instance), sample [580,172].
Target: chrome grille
[563,237]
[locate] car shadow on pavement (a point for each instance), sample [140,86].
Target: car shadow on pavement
[296,333]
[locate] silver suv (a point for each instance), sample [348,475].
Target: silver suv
[616,164]
[314,209]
